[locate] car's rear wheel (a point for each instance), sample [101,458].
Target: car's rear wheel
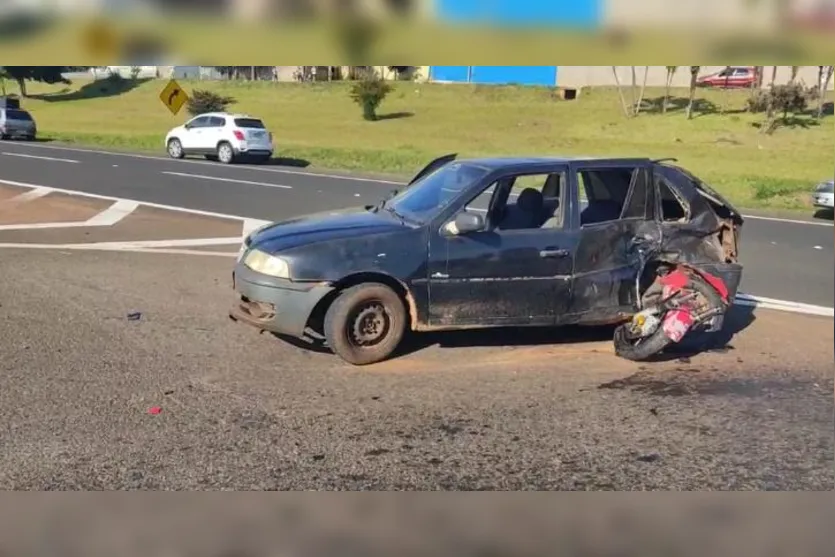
[365,324]
[175,149]
[225,153]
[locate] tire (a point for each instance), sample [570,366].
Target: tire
[225,153]
[694,340]
[644,350]
[359,304]
[175,148]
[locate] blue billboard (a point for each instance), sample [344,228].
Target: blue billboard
[496,75]
[578,14]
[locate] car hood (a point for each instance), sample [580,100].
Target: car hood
[321,227]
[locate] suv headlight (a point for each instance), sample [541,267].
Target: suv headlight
[267,264]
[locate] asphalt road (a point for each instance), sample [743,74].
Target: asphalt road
[784,259]
[532,410]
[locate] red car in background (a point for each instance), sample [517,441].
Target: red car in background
[730,77]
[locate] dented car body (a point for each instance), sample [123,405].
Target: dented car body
[487,243]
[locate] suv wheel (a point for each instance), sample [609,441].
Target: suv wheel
[365,324]
[225,153]
[175,149]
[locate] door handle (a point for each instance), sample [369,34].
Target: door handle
[553,253]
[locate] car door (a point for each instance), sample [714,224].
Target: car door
[192,138]
[499,277]
[212,134]
[620,201]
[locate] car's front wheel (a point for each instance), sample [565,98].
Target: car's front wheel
[365,324]
[225,153]
[175,149]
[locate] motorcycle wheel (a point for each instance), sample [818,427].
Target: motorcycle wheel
[638,350]
[641,349]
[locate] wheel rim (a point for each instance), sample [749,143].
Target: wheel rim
[174,149]
[225,153]
[369,325]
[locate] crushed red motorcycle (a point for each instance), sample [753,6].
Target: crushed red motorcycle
[681,302]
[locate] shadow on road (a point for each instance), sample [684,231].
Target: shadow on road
[737,320]
[288,162]
[825,214]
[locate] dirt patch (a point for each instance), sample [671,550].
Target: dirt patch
[55,207]
[143,224]
[8,192]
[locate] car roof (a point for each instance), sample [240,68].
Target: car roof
[498,163]
[227,115]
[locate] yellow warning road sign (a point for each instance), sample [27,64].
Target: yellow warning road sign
[173,97]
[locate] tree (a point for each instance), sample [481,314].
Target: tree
[671,72]
[824,77]
[202,101]
[694,79]
[369,92]
[794,71]
[44,74]
[620,92]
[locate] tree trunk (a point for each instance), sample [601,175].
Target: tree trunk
[643,90]
[694,76]
[632,90]
[21,84]
[620,91]
[666,93]
[773,75]
[824,87]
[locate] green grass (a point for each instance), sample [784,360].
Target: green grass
[320,124]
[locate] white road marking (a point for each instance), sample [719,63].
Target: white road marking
[149,244]
[190,161]
[40,158]
[788,221]
[114,213]
[114,199]
[92,247]
[783,305]
[252,224]
[333,176]
[218,179]
[31,194]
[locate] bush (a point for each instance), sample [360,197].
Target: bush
[202,101]
[788,99]
[369,92]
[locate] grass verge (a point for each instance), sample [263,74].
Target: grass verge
[317,125]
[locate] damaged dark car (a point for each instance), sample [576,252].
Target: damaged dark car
[502,242]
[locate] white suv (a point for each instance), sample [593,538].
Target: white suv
[221,136]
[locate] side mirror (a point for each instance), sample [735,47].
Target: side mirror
[187,126]
[465,223]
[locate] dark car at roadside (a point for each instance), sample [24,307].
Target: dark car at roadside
[491,242]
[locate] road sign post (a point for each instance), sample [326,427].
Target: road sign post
[173,97]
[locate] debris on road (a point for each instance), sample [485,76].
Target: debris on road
[154,410]
[135,316]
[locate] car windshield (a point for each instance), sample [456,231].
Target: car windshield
[426,197]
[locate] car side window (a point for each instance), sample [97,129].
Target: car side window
[216,122]
[603,193]
[534,202]
[199,122]
[672,208]
[638,204]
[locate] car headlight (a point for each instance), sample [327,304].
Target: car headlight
[267,264]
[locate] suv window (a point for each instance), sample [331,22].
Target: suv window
[250,123]
[13,114]
[603,193]
[216,122]
[199,122]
